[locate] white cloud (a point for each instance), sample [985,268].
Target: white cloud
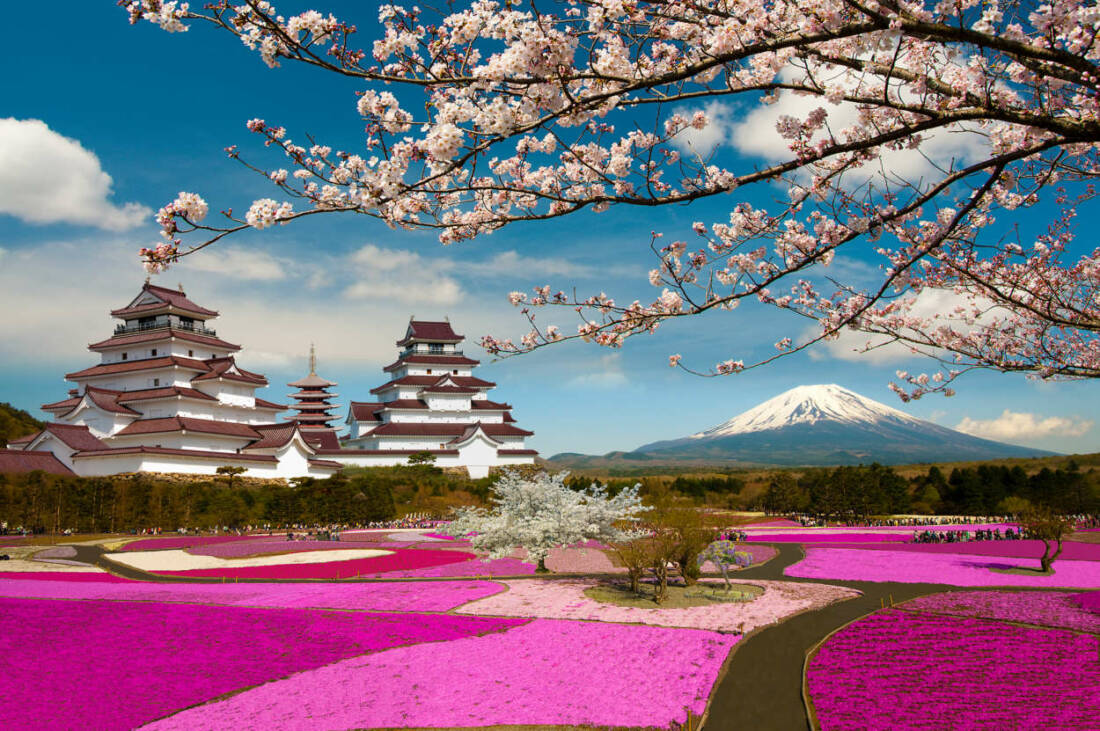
[856,345]
[235,262]
[400,276]
[48,178]
[512,263]
[701,142]
[756,134]
[1022,428]
[607,372]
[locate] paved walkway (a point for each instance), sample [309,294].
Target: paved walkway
[761,689]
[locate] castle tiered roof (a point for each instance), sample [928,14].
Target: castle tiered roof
[168,395]
[434,403]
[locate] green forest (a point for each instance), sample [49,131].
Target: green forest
[15,423]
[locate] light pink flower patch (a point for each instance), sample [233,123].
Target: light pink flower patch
[850,564]
[155,544]
[545,672]
[424,596]
[565,599]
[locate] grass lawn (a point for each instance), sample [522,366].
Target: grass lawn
[678,597]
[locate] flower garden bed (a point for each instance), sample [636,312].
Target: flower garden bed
[394,564]
[157,544]
[565,599]
[542,673]
[899,670]
[938,568]
[1089,601]
[175,560]
[62,575]
[1056,609]
[194,654]
[423,596]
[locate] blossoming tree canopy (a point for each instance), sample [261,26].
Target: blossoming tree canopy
[542,512]
[489,113]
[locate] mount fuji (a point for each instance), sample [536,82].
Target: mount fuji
[827,425]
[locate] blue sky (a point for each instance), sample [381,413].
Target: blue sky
[154,111]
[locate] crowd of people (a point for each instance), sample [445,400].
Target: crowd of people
[965,536]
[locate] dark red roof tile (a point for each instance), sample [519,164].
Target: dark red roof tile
[443,360]
[160,335]
[17,461]
[167,297]
[185,423]
[422,330]
[194,453]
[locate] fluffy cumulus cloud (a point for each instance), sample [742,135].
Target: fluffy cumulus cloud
[855,345]
[236,262]
[397,275]
[755,134]
[720,125]
[46,177]
[1024,428]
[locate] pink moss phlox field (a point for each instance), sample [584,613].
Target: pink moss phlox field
[399,561]
[545,672]
[268,546]
[424,596]
[440,536]
[471,565]
[62,576]
[1057,609]
[155,544]
[829,537]
[565,599]
[1089,601]
[194,653]
[1072,550]
[580,560]
[899,670]
[852,564]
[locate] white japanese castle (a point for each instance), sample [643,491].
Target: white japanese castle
[168,396]
[433,403]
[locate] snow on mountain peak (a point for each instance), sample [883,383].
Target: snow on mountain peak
[808,405]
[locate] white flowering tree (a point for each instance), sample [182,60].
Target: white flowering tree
[482,113]
[542,512]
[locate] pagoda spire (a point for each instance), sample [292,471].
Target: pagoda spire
[312,399]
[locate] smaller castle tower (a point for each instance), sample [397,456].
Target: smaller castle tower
[313,405]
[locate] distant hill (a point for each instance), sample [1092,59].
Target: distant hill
[823,425]
[15,423]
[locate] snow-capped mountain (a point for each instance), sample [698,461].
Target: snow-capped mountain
[809,405]
[829,425]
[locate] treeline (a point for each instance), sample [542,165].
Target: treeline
[708,490]
[51,503]
[984,490]
[15,423]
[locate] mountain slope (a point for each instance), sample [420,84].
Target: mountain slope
[829,425]
[15,423]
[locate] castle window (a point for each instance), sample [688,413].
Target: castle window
[190,354]
[153,352]
[124,356]
[429,371]
[156,381]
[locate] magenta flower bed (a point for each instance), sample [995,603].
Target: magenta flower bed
[137,662]
[1089,601]
[154,544]
[853,564]
[545,672]
[1048,608]
[267,546]
[828,537]
[399,561]
[423,596]
[469,566]
[440,536]
[101,576]
[897,670]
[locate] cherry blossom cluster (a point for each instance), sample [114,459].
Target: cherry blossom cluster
[485,113]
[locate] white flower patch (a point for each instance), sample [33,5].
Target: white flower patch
[179,560]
